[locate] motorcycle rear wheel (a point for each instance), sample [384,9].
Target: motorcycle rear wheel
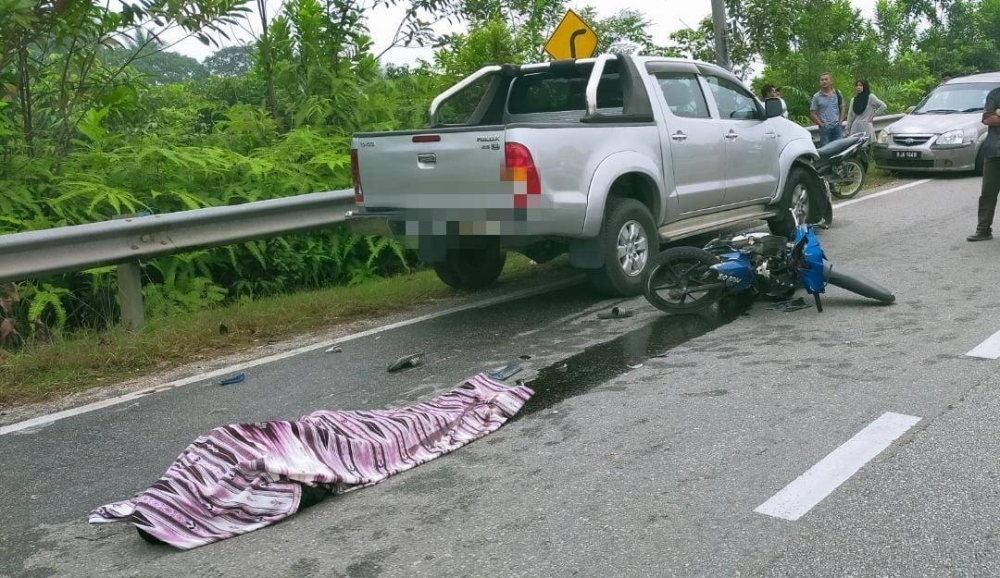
[850,185]
[674,276]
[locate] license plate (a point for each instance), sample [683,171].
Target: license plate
[906,154]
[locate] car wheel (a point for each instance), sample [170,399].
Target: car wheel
[629,240]
[472,268]
[803,199]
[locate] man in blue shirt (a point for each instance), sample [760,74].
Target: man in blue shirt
[827,110]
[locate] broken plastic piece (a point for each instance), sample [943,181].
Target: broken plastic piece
[238,378]
[506,371]
[615,313]
[792,305]
[411,360]
[334,349]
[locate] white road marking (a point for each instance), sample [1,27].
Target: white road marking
[883,193]
[809,489]
[54,417]
[989,349]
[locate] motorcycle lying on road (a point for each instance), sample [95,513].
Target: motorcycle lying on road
[689,279]
[843,164]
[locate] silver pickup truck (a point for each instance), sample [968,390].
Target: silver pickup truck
[604,158]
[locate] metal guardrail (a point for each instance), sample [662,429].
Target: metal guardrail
[124,242]
[880,122]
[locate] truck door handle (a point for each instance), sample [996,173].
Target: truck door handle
[731,135]
[679,136]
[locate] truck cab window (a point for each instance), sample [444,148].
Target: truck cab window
[683,94]
[546,92]
[458,110]
[733,101]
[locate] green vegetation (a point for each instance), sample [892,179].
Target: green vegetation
[98,118]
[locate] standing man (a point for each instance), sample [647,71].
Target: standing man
[991,169]
[827,110]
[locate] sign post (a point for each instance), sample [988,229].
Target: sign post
[721,42]
[572,39]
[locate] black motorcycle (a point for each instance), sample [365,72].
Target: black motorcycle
[843,164]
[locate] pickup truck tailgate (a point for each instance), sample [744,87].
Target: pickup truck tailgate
[435,169]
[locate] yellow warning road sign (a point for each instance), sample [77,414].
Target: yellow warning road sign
[573,38]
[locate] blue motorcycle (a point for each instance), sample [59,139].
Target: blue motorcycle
[689,279]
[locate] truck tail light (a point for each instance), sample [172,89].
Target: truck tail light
[519,167]
[359,194]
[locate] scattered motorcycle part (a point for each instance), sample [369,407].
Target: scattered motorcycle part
[238,378]
[792,305]
[412,360]
[506,371]
[615,313]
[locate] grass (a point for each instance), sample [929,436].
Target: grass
[82,361]
[877,177]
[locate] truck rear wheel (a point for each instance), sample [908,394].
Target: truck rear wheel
[471,268]
[628,240]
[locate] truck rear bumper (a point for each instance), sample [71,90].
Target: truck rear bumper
[530,222]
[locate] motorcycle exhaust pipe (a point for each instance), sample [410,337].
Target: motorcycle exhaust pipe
[857,284]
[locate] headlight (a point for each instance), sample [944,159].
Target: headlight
[883,137]
[950,139]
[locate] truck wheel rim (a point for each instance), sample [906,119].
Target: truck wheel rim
[633,248]
[800,203]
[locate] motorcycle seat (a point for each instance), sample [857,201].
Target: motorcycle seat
[838,146]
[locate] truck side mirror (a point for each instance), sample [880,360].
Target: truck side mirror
[773,107]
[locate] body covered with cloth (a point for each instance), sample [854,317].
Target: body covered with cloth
[241,477]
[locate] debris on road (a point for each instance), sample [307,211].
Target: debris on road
[791,305]
[506,371]
[406,361]
[334,349]
[238,378]
[615,313]
[205,495]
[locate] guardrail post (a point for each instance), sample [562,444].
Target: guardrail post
[130,294]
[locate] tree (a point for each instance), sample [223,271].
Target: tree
[158,66]
[230,61]
[626,31]
[57,47]
[700,45]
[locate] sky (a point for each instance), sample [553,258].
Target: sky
[666,16]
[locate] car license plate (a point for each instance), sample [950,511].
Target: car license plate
[906,154]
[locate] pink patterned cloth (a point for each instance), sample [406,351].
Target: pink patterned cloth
[241,477]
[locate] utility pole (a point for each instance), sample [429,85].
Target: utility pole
[719,23]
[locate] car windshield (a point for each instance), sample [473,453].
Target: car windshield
[955,98]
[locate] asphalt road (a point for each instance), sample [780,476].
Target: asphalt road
[614,468]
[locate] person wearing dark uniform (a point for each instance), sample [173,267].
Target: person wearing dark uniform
[991,169]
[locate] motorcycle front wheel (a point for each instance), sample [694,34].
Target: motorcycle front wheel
[849,185]
[680,280]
